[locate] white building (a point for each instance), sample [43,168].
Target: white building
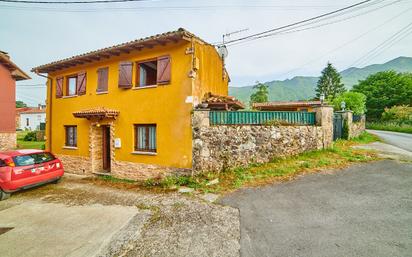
[31,119]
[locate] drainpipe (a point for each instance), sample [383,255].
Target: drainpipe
[49,118]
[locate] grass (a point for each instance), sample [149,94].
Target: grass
[279,169]
[21,144]
[388,126]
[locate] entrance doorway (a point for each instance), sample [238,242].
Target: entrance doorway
[106,148]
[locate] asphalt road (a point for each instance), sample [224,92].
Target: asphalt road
[364,210]
[401,140]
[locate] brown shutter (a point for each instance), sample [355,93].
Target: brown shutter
[81,83]
[102,79]
[125,74]
[163,70]
[59,87]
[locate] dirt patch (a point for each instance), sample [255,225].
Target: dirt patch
[176,224]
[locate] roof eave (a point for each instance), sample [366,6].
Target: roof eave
[117,50]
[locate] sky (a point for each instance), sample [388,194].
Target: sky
[38,34]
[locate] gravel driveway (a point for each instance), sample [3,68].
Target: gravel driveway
[80,218]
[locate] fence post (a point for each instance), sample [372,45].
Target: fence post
[324,119]
[200,118]
[348,120]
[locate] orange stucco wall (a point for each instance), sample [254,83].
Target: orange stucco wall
[164,105]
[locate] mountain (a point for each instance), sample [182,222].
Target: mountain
[303,87]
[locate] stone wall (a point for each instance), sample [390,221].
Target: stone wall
[218,147]
[7,141]
[356,128]
[75,164]
[141,171]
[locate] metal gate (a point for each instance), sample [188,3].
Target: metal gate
[337,126]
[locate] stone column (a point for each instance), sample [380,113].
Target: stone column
[200,122]
[347,117]
[324,119]
[200,118]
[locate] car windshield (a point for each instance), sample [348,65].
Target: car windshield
[30,159]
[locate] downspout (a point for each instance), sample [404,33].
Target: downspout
[49,102]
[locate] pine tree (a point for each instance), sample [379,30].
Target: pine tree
[330,83]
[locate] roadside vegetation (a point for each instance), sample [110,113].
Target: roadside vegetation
[279,169]
[29,140]
[397,118]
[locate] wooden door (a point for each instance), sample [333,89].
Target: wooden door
[106,148]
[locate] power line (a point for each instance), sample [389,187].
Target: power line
[300,22]
[71,2]
[293,30]
[348,42]
[170,8]
[400,34]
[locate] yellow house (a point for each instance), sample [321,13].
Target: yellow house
[126,110]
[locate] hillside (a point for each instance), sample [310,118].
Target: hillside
[303,87]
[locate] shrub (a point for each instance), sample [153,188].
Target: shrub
[354,101]
[401,114]
[30,136]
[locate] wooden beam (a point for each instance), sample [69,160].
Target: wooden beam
[125,50]
[115,53]
[104,55]
[161,42]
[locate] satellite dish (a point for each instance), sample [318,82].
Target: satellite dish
[222,50]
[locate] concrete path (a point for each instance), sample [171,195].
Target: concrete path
[401,140]
[364,210]
[49,229]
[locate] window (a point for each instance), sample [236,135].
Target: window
[71,136]
[27,122]
[71,86]
[147,73]
[102,79]
[145,138]
[31,159]
[153,72]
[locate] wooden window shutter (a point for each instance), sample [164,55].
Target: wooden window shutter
[81,83]
[125,74]
[59,87]
[102,79]
[163,70]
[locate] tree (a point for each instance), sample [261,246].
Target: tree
[20,104]
[384,90]
[261,95]
[354,101]
[329,83]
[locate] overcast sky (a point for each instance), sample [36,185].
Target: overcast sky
[38,34]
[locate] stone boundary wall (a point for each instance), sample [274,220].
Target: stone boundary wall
[216,148]
[354,128]
[8,140]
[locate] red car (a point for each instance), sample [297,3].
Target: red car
[22,169]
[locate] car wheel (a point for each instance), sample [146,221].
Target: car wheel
[57,181]
[4,195]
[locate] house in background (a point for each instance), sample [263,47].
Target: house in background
[31,118]
[294,106]
[9,74]
[126,110]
